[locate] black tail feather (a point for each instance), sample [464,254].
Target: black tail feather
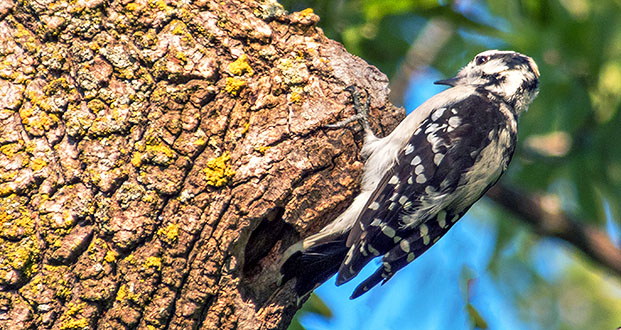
[315,265]
[369,283]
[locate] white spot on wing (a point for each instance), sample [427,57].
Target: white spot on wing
[408,219]
[437,114]
[454,121]
[419,169]
[348,257]
[424,230]
[408,149]
[410,257]
[393,180]
[374,206]
[431,128]
[421,178]
[405,245]
[402,200]
[433,139]
[388,231]
[438,158]
[373,250]
[415,161]
[363,251]
[442,219]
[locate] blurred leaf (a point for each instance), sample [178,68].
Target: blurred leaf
[477,320]
[316,306]
[313,306]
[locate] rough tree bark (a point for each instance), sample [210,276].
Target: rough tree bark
[157,158]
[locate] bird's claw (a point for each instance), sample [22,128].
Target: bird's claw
[362,111]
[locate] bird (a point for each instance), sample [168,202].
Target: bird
[420,179]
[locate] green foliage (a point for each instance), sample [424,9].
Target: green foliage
[314,305]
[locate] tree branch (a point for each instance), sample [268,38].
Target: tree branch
[551,221]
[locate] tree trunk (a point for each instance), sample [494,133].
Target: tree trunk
[157,159]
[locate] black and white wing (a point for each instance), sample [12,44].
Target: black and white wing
[440,173]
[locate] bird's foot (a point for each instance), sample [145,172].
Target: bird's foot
[362,110]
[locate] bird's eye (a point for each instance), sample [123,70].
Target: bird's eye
[481,59]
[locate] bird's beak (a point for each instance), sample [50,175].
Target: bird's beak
[449,82]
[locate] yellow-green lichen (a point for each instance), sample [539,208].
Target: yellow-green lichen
[218,172]
[78,120]
[240,66]
[19,258]
[153,262]
[246,127]
[181,56]
[130,259]
[56,85]
[262,149]
[161,5]
[74,324]
[150,197]
[234,85]
[96,105]
[63,290]
[179,28]
[9,150]
[136,159]
[132,6]
[126,293]
[306,12]
[69,319]
[110,256]
[295,97]
[35,120]
[37,164]
[15,220]
[54,278]
[157,152]
[49,278]
[200,138]
[170,233]
[294,72]
[121,295]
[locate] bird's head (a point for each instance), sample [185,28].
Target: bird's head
[509,75]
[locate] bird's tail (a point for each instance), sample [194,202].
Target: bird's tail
[315,264]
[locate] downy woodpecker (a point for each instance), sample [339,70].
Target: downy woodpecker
[421,178]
